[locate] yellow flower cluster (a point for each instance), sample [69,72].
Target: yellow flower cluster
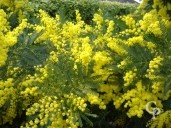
[158,4]
[30,91]
[27,87]
[71,30]
[122,64]
[136,100]
[133,28]
[78,17]
[77,102]
[3,28]
[3,23]
[86,53]
[96,100]
[154,67]
[70,34]
[101,59]
[8,95]
[27,82]
[66,35]
[162,9]
[6,89]
[98,19]
[115,45]
[110,27]
[163,12]
[82,51]
[157,87]
[8,38]
[61,110]
[150,23]
[135,40]
[50,26]
[16,6]
[129,77]
[129,20]
[151,46]
[45,107]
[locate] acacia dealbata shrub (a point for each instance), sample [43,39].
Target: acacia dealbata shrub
[61,73]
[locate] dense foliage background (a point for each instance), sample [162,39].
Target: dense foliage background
[85,63]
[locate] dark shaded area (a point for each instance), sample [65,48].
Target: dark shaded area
[16,122]
[114,118]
